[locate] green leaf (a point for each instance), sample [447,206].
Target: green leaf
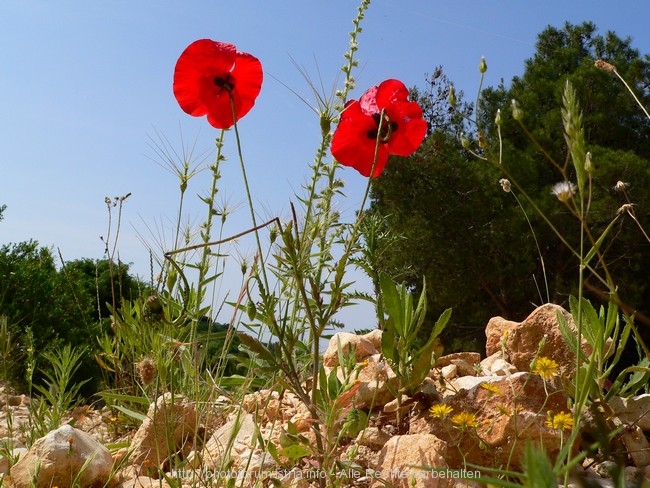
[592,327]
[126,411]
[638,379]
[424,356]
[539,470]
[333,385]
[295,451]
[292,429]
[569,336]
[440,324]
[273,451]
[257,347]
[322,383]
[388,347]
[392,301]
[592,252]
[125,398]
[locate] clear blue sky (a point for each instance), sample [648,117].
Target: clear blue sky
[84,85]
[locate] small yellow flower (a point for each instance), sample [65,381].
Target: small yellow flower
[465,420]
[504,410]
[545,367]
[560,421]
[491,388]
[440,410]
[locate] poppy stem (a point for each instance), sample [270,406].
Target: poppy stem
[382,117]
[248,194]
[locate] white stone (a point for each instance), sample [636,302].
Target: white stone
[57,458]
[449,372]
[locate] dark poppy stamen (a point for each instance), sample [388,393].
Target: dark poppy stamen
[386,129]
[224,83]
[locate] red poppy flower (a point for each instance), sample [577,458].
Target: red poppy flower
[401,133]
[209,73]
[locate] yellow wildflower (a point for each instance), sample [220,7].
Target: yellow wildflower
[545,367]
[465,420]
[491,388]
[560,421]
[503,409]
[440,410]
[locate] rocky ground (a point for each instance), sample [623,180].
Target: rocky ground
[469,411]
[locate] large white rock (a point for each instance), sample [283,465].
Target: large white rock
[59,457]
[404,460]
[170,427]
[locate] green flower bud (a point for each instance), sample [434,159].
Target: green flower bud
[589,166]
[482,67]
[251,310]
[517,112]
[452,96]
[464,141]
[172,276]
[325,123]
[497,119]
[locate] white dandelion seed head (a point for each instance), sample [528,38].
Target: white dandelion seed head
[621,186]
[505,185]
[563,190]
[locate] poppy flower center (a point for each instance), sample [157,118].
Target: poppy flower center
[224,83]
[385,130]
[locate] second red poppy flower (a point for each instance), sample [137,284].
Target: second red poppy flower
[363,130]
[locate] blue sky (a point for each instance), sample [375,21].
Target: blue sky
[85,85]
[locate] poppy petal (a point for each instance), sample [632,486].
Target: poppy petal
[368,101]
[198,70]
[410,131]
[390,92]
[351,144]
[246,77]
[200,63]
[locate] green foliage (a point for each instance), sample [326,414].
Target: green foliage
[538,469]
[60,392]
[10,353]
[610,117]
[100,283]
[401,331]
[471,241]
[461,232]
[59,306]
[599,375]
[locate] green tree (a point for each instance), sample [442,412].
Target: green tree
[101,283]
[470,239]
[59,306]
[616,132]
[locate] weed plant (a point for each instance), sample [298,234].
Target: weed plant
[604,333]
[289,298]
